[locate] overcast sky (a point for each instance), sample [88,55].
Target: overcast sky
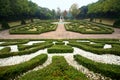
[62,4]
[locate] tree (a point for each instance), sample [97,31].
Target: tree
[58,12]
[74,10]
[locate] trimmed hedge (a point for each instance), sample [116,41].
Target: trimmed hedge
[27,51]
[58,70]
[13,42]
[85,27]
[109,70]
[10,72]
[5,50]
[60,49]
[115,50]
[35,28]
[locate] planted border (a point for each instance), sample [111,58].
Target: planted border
[109,70]
[115,50]
[60,49]
[10,72]
[85,27]
[27,51]
[58,70]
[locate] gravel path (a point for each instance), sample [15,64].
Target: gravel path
[19,59]
[60,33]
[106,58]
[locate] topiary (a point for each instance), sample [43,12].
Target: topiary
[5,25]
[23,22]
[117,23]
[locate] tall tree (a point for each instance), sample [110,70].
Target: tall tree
[74,10]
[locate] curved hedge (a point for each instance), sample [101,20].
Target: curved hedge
[10,72]
[26,51]
[109,70]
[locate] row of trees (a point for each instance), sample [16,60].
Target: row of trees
[101,8]
[12,10]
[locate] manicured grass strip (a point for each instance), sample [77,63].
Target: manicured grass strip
[60,49]
[27,51]
[115,50]
[58,70]
[10,72]
[109,70]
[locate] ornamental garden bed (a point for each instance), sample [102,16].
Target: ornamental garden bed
[85,27]
[34,28]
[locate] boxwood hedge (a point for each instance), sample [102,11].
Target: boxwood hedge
[10,72]
[108,70]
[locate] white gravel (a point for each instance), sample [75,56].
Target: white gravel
[13,48]
[32,42]
[107,46]
[106,58]
[1,48]
[82,41]
[19,59]
[66,42]
[2,42]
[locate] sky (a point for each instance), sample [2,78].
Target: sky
[62,4]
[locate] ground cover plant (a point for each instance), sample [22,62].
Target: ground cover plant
[60,49]
[58,70]
[86,27]
[34,28]
[10,72]
[109,70]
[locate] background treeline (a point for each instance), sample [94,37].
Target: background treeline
[101,9]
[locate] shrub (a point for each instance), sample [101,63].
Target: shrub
[27,51]
[117,23]
[114,50]
[109,70]
[5,25]
[23,22]
[10,72]
[5,50]
[60,49]
[58,70]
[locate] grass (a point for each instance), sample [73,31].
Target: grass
[109,70]
[58,70]
[10,72]
[60,49]
[85,27]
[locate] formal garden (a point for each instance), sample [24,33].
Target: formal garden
[86,27]
[24,59]
[77,42]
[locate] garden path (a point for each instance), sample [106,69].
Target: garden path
[60,33]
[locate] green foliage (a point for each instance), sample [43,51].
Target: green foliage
[58,70]
[10,72]
[5,50]
[97,49]
[117,23]
[85,27]
[26,51]
[109,70]
[35,28]
[5,25]
[23,22]
[60,49]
